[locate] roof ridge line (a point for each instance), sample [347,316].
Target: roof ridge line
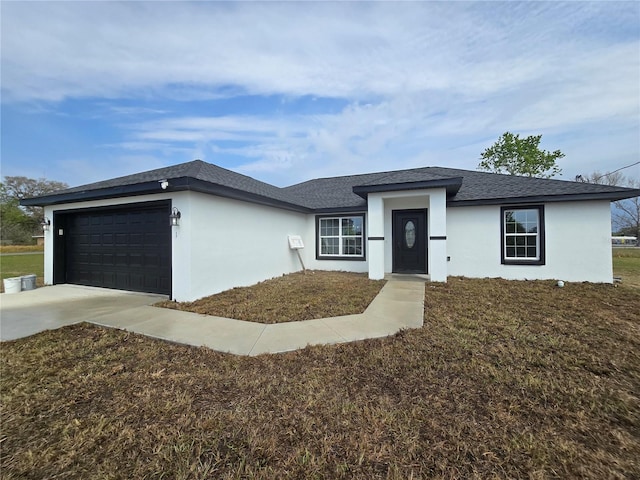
[199,164]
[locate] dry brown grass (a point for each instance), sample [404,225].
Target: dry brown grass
[21,248]
[505,380]
[290,298]
[626,265]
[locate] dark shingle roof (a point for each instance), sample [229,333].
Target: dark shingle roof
[481,187]
[197,170]
[464,187]
[196,175]
[476,188]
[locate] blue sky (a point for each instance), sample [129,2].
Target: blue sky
[285,92]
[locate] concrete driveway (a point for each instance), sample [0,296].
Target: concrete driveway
[399,305]
[26,313]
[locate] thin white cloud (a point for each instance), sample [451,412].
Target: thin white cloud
[66,49]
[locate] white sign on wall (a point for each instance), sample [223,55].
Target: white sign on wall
[295,242]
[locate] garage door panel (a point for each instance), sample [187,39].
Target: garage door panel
[121,259]
[127,248]
[151,260]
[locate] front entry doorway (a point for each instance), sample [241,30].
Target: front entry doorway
[409,235]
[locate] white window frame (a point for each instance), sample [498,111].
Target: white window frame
[539,259]
[341,255]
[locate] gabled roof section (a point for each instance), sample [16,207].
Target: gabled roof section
[350,192]
[464,187]
[196,176]
[340,194]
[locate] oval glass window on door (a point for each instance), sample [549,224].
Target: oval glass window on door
[410,234]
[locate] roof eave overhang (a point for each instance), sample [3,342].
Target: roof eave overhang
[569,197]
[452,185]
[149,188]
[146,188]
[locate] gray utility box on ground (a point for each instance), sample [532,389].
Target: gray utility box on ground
[28,282]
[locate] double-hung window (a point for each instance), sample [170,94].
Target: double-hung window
[522,231]
[340,237]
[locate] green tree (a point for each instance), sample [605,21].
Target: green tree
[520,156]
[18,224]
[16,227]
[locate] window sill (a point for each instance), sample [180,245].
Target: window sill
[522,262]
[349,259]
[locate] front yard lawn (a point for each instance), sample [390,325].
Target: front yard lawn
[626,265]
[290,298]
[22,264]
[505,380]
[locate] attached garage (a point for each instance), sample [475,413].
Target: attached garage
[125,248]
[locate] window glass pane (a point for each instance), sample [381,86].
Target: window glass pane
[520,252]
[531,252]
[520,216]
[511,227]
[410,234]
[531,241]
[357,223]
[329,246]
[323,226]
[352,226]
[349,247]
[532,216]
[511,252]
[511,241]
[329,227]
[520,240]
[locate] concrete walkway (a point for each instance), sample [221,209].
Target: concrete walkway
[399,305]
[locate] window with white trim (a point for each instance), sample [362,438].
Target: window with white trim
[523,235]
[341,237]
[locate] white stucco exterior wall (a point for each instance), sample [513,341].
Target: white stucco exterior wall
[48,248]
[437,235]
[377,247]
[220,243]
[227,243]
[577,239]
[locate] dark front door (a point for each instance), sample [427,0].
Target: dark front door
[409,241]
[126,248]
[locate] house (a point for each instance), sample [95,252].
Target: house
[232,230]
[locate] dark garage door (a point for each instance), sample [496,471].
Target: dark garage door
[125,248]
